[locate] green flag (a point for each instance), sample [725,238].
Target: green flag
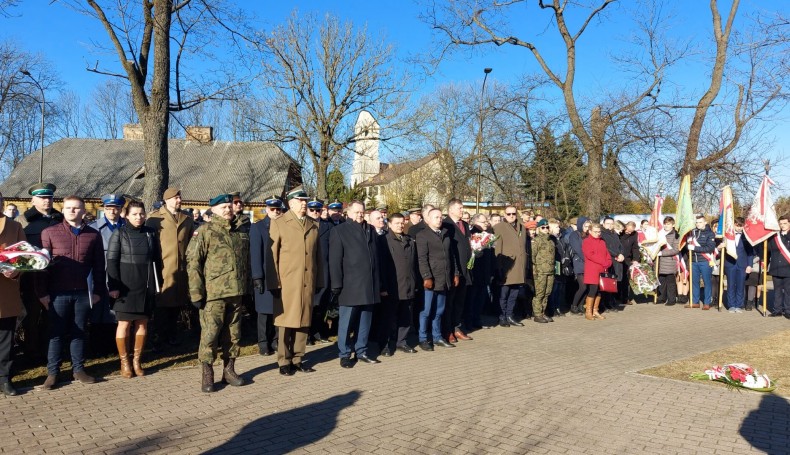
[685,214]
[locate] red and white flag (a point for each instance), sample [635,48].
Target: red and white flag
[761,222]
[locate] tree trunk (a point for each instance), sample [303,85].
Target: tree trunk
[320,180]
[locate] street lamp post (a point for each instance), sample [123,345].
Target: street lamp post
[480,139]
[43,103]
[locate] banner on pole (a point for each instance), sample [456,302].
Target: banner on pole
[685,214]
[726,227]
[761,222]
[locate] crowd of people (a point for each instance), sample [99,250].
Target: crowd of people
[310,270]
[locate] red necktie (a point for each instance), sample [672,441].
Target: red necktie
[461,227]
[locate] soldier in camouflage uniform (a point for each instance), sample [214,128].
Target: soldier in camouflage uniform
[218,266]
[542,270]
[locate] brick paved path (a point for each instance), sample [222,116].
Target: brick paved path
[567,387]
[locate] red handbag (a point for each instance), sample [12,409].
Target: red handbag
[607,284]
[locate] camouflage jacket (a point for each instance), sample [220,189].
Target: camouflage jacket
[543,250]
[218,261]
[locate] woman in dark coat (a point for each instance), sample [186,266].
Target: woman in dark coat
[596,261]
[575,239]
[133,270]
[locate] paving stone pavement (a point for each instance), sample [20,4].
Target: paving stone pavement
[570,387]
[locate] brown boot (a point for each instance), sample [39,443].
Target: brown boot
[126,369]
[208,378]
[139,342]
[597,302]
[588,308]
[229,374]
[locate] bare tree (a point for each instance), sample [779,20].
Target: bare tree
[320,74]
[163,82]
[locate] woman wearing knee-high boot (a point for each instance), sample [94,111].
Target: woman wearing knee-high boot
[133,271]
[596,261]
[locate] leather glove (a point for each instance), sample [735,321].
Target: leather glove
[456,281]
[336,291]
[200,304]
[427,283]
[258,284]
[277,293]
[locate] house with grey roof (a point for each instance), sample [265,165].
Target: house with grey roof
[200,166]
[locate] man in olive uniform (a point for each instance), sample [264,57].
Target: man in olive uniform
[543,250]
[293,275]
[218,266]
[33,221]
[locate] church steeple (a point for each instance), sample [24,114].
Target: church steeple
[366,149]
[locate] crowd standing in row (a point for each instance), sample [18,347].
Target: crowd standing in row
[307,264]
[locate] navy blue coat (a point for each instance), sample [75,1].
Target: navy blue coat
[460,243]
[259,244]
[353,263]
[745,254]
[778,265]
[324,227]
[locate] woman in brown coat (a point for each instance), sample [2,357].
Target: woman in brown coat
[10,302]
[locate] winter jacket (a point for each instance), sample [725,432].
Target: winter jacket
[667,265]
[574,239]
[596,259]
[436,258]
[134,267]
[74,257]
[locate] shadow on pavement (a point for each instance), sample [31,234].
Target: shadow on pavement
[768,427]
[270,434]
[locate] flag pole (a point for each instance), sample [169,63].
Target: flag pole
[722,275]
[767,167]
[655,294]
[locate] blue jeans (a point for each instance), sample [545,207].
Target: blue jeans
[703,269]
[736,285]
[68,314]
[507,299]
[433,309]
[355,319]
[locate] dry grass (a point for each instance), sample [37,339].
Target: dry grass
[767,355]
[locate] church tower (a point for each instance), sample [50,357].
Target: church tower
[366,149]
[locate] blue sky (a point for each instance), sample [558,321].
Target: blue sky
[65,38]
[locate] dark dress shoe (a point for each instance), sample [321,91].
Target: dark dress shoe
[346,362]
[512,321]
[310,342]
[320,339]
[407,349]
[267,352]
[386,352]
[549,318]
[302,368]
[504,323]
[425,346]
[365,359]
[442,343]
[775,315]
[8,389]
[287,370]
[541,319]
[787,316]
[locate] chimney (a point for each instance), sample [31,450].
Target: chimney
[132,132]
[201,134]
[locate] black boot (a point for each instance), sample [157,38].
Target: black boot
[229,375]
[208,378]
[750,304]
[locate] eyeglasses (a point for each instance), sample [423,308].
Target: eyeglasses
[274,209]
[510,214]
[314,210]
[544,227]
[238,202]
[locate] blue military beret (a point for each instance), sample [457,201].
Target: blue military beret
[42,190]
[337,205]
[315,203]
[221,199]
[113,200]
[274,202]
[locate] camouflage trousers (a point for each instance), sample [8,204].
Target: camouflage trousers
[220,321]
[543,286]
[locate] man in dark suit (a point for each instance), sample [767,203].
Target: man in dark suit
[459,232]
[264,301]
[321,298]
[779,268]
[355,282]
[737,269]
[398,259]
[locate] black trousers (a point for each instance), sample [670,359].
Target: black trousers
[667,288]
[165,323]
[393,322]
[781,295]
[267,332]
[7,329]
[453,316]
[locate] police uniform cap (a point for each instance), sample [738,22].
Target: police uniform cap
[42,190]
[236,195]
[297,193]
[221,199]
[336,205]
[416,210]
[315,203]
[113,200]
[274,202]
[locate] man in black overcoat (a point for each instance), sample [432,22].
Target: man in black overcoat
[459,232]
[264,300]
[321,297]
